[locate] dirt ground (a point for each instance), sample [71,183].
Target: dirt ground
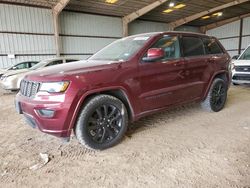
[182,147]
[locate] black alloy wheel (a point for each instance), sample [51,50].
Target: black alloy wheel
[217,96]
[105,123]
[102,122]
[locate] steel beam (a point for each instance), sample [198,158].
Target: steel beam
[223,22]
[204,13]
[134,15]
[56,10]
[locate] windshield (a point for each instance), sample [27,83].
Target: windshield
[246,54]
[39,65]
[122,49]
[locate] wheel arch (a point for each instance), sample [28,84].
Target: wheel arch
[224,75]
[119,93]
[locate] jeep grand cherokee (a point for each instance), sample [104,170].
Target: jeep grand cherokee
[129,79]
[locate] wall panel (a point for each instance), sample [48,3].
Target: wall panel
[26,32]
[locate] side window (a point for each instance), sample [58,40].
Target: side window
[32,64]
[211,46]
[170,45]
[192,46]
[57,62]
[22,66]
[70,60]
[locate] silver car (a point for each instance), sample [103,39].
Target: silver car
[12,79]
[19,66]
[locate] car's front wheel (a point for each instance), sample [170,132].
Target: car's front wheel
[217,96]
[102,122]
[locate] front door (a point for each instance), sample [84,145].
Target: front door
[162,81]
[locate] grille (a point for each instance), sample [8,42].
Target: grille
[242,68]
[28,88]
[245,77]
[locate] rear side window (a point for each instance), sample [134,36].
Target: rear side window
[212,47]
[57,62]
[192,46]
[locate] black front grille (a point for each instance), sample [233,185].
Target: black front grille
[242,68]
[29,88]
[245,77]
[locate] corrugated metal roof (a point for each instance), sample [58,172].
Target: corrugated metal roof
[124,7]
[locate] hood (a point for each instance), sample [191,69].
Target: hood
[241,62]
[3,71]
[15,72]
[74,68]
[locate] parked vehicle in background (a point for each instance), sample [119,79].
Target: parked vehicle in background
[12,79]
[241,68]
[129,79]
[19,66]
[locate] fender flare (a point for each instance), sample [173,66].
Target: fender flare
[86,94]
[212,79]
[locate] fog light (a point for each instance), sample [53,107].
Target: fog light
[46,113]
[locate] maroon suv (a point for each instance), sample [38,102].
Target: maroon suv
[130,78]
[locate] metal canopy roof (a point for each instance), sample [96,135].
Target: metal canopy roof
[125,7]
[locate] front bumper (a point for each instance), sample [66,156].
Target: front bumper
[8,85]
[57,125]
[241,78]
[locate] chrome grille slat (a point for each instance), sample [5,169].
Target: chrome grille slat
[242,68]
[29,88]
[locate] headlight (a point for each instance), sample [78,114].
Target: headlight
[11,77]
[232,66]
[54,87]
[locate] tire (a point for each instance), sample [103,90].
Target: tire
[102,122]
[217,96]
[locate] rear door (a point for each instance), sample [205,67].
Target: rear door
[162,81]
[217,58]
[197,67]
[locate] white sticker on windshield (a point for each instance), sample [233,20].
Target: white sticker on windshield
[141,38]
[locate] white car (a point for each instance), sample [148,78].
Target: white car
[12,79]
[18,66]
[241,68]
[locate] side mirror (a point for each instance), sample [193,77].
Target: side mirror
[154,54]
[14,68]
[235,57]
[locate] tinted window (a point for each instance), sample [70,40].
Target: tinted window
[57,62]
[70,60]
[193,46]
[170,45]
[212,47]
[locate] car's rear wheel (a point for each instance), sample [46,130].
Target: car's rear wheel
[102,122]
[217,96]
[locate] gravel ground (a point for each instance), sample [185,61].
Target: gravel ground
[182,147]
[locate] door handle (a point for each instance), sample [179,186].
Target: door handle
[211,60]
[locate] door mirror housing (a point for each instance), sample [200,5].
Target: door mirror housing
[14,68]
[154,54]
[235,57]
